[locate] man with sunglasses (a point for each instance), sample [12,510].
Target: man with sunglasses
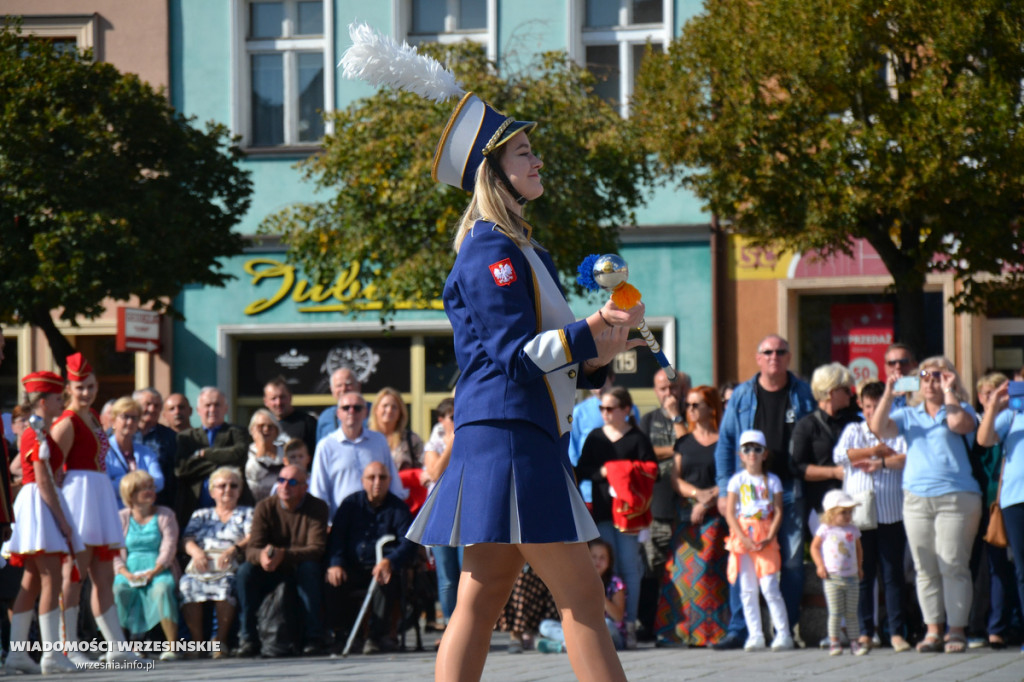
[900,362]
[362,519]
[287,542]
[771,402]
[342,456]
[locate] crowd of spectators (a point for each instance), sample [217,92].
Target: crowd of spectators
[220,520]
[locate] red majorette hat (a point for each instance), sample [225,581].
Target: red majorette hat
[79,368]
[43,382]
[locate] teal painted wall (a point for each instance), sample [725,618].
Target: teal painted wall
[675,277]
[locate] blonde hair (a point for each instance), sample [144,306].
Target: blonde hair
[491,201]
[942,364]
[226,472]
[830,516]
[829,377]
[991,380]
[130,482]
[122,405]
[395,437]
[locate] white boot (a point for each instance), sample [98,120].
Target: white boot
[70,623]
[110,626]
[53,662]
[20,661]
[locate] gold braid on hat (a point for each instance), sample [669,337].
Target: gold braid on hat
[496,137]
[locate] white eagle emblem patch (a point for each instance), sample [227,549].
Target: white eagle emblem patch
[503,272]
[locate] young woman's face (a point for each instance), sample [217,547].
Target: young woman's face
[388,412]
[599,555]
[522,166]
[612,412]
[83,393]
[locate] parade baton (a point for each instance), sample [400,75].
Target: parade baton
[610,272]
[35,422]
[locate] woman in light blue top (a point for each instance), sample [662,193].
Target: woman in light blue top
[942,501]
[1006,426]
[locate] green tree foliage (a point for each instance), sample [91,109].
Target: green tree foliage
[387,214]
[810,122]
[105,191]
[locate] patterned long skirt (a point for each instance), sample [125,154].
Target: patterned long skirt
[693,607]
[529,604]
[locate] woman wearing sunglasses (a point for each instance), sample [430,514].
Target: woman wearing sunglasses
[215,539]
[942,500]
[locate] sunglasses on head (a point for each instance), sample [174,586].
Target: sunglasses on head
[351,408]
[290,482]
[751,449]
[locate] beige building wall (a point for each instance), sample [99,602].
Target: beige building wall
[133,35]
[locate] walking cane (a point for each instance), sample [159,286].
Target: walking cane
[384,539]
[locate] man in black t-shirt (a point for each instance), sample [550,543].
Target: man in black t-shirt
[772,402]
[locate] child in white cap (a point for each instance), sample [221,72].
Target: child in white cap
[837,554]
[754,512]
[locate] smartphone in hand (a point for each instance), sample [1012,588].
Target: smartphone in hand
[907,385]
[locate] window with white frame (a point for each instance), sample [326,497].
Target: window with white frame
[284,72]
[614,39]
[65,33]
[448,21]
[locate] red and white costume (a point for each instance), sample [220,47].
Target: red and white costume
[88,492]
[36,531]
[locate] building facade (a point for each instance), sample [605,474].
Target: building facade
[267,67]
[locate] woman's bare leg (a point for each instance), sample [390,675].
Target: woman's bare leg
[569,574]
[488,573]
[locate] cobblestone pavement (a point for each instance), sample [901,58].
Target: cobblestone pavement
[644,664]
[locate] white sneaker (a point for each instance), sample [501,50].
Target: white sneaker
[54,663]
[168,656]
[79,658]
[754,644]
[21,662]
[782,642]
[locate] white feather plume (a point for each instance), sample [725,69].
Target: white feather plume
[379,60]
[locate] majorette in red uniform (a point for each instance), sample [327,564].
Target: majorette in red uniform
[43,536]
[90,497]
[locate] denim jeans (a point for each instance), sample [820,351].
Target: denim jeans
[791,578]
[1013,519]
[254,584]
[447,562]
[627,564]
[884,547]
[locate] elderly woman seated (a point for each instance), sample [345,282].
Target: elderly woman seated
[215,539]
[146,572]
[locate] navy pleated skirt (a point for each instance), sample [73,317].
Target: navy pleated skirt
[507,481]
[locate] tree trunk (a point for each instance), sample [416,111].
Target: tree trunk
[910,314]
[59,345]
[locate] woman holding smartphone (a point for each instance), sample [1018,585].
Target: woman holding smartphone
[942,501]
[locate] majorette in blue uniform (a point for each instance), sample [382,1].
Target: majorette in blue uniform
[520,350]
